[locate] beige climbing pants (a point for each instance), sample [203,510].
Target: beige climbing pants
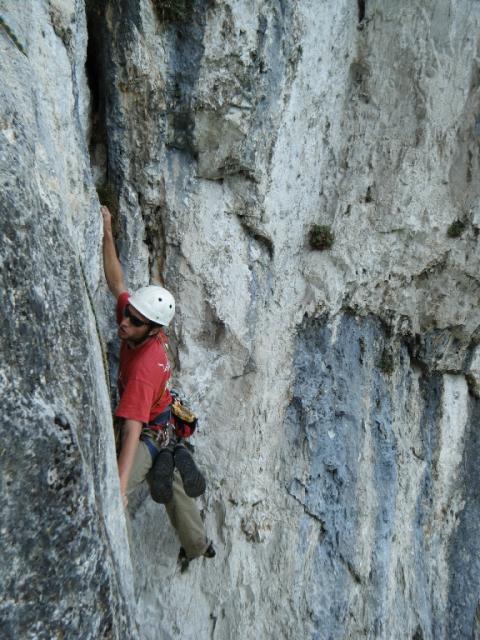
[182,510]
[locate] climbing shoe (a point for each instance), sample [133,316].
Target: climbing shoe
[184,561]
[193,480]
[210,551]
[161,477]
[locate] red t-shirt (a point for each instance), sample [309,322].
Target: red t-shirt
[143,375]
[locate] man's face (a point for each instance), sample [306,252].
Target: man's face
[134,327]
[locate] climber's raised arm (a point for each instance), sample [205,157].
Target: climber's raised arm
[131,435]
[111,263]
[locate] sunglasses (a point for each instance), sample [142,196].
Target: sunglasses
[133,319]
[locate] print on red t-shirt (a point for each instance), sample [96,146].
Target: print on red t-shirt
[144,372]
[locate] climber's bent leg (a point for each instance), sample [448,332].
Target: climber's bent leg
[141,466]
[185,518]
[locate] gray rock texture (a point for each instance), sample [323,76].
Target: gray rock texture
[337,389]
[65,569]
[380,457]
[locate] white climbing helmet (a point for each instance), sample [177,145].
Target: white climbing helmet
[155,303]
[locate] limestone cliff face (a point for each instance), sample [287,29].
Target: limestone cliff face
[337,389]
[65,571]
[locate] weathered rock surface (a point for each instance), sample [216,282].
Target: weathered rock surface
[65,571]
[338,388]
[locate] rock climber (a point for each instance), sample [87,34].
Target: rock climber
[149,447]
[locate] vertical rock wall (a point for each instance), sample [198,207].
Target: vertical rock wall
[381,465]
[337,388]
[65,568]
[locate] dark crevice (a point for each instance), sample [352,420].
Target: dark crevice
[95,70]
[264,241]
[185,43]
[361,10]
[98,68]
[310,513]
[418,635]
[351,570]
[463,558]
[154,238]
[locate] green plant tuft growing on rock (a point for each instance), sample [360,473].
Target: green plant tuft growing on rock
[321,237]
[172,10]
[385,363]
[456,229]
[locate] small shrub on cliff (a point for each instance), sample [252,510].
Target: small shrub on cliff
[386,363]
[321,237]
[456,229]
[172,10]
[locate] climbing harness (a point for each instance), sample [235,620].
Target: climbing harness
[174,424]
[164,439]
[158,433]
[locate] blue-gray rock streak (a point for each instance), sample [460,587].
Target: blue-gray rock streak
[382,459]
[304,177]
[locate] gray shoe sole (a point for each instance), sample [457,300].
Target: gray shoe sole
[193,481]
[161,478]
